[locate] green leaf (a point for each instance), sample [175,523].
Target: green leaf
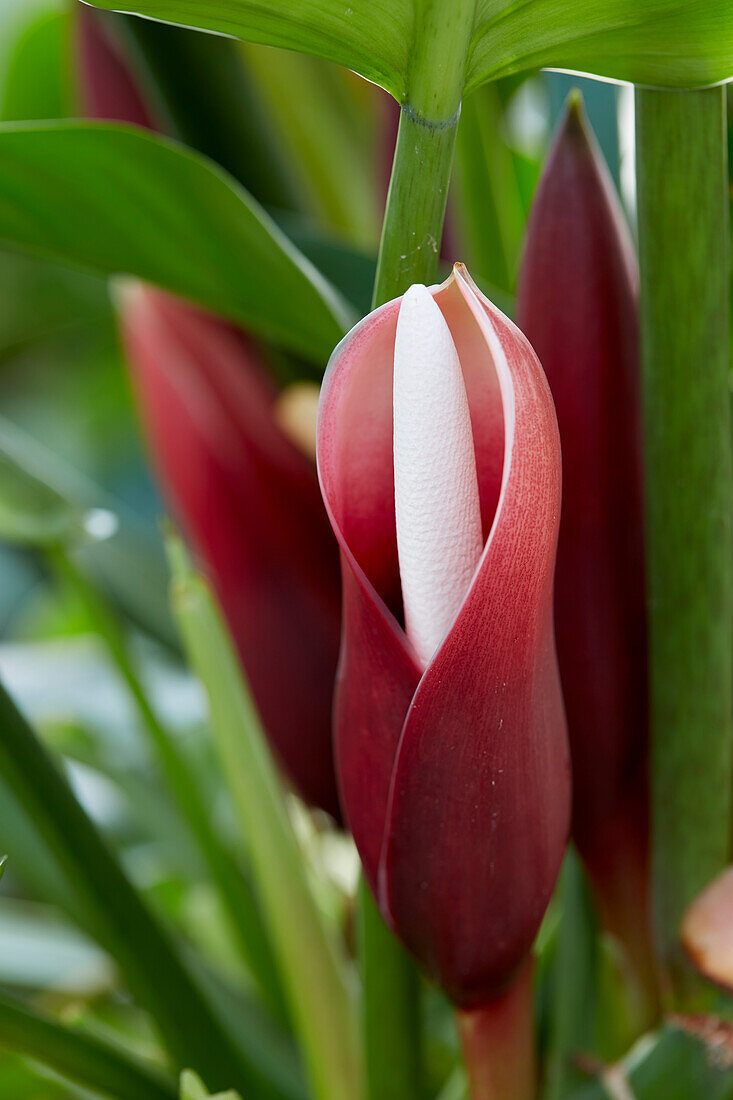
[674,1064]
[36,83]
[312,972]
[224,872]
[129,565]
[40,302]
[490,210]
[192,1088]
[572,981]
[33,513]
[368,36]
[166,215]
[83,1058]
[660,42]
[328,128]
[193,1029]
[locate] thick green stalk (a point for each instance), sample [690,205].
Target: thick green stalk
[684,254]
[413,220]
[234,890]
[83,1058]
[431,107]
[408,253]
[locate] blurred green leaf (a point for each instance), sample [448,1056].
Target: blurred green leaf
[167,215]
[34,514]
[489,210]
[673,1064]
[226,875]
[130,564]
[350,269]
[571,1008]
[328,127]
[116,914]
[192,1088]
[40,301]
[43,952]
[230,123]
[82,1057]
[36,83]
[311,969]
[657,42]
[24,1080]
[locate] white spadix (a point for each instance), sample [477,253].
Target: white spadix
[439,538]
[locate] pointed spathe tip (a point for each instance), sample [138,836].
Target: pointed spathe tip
[575,122]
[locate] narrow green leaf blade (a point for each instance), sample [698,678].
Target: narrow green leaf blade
[572,993]
[194,1031]
[119,200]
[311,970]
[83,1058]
[32,513]
[369,36]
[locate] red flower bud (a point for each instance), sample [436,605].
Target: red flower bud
[106,89]
[578,306]
[246,497]
[248,500]
[453,771]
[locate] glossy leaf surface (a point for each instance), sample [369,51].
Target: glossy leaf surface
[657,42]
[168,216]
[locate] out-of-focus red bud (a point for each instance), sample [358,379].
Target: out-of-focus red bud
[106,89]
[453,772]
[245,495]
[578,307]
[248,501]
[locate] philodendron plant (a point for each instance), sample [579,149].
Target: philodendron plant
[455,574]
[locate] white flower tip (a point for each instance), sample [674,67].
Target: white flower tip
[439,537]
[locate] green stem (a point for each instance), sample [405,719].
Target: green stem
[234,890]
[684,254]
[85,1059]
[408,253]
[391,1009]
[418,189]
